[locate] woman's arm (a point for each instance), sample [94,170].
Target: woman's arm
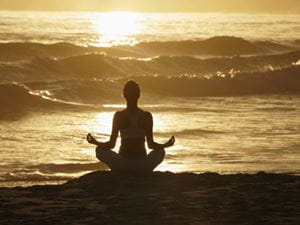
[149,135]
[114,131]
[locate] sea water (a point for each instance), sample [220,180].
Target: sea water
[239,114]
[111,28]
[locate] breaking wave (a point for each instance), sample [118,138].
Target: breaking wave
[106,66]
[63,75]
[219,45]
[284,80]
[16,97]
[91,93]
[101,66]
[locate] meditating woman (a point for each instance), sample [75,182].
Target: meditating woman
[134,125]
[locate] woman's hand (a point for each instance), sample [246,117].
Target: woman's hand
[169,143]
[91,139]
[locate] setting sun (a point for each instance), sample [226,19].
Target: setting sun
[116,28]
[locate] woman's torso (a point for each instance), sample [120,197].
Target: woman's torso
[133,133]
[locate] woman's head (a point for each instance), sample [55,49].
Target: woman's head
[131,91]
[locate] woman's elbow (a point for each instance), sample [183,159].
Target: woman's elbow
[151,145]
[112,145]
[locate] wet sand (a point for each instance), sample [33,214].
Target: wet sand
[159,198]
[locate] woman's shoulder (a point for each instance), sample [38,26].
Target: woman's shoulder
[141,112]
[145,113]
[120,113]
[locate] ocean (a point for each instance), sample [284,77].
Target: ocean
[227,86]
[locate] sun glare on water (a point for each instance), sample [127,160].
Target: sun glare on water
[116,28]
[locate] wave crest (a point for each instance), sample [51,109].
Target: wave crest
[17,95]
[284,80]
[16,98]
[102,66]
[80,92]
[219,45]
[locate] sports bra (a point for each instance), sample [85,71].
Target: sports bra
[133,131]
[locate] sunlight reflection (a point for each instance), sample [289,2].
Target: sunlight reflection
[158,123]
[104,122]
[115,28]
[114,106]
[101,125]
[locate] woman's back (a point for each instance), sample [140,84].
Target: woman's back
[133,130]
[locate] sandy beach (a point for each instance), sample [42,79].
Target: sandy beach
[159,198]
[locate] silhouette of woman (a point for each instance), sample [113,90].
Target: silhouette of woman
[134,125]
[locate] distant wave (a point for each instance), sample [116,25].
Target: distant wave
[105,66]
[220,45]
[102,66]
[27,50]
[284,80]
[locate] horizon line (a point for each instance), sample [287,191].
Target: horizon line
[145,11]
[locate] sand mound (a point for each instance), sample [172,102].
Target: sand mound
[158,198]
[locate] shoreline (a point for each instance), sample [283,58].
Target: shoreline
[36,182]
[159,198]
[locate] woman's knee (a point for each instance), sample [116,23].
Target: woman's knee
[154,158]
[100,153]
[160,152]
[157,155]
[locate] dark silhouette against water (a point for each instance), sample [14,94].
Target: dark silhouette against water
[134,125]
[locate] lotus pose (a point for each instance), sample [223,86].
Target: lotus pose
[134,125]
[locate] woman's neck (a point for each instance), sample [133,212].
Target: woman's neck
[132,106]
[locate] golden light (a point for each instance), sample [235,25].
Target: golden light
[116,28]
[103,123]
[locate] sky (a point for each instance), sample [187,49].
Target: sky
[247,6]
